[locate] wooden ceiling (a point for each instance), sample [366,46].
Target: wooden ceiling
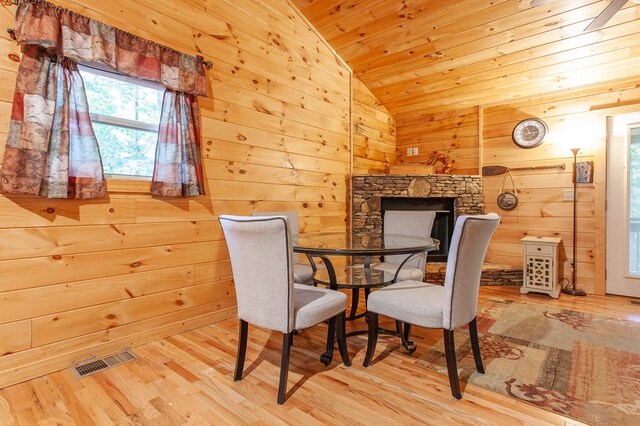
[436,55]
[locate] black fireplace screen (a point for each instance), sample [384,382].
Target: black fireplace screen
[442,226]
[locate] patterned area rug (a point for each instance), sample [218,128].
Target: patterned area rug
[580,365]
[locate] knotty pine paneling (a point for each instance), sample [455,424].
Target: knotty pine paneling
[574,118]
[66,325]
[374,132]
[58,240]
[453,133]
[53,299]
[442,56]
[83,278]
[41,271]
[15,337]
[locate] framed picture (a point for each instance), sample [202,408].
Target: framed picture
[584,172]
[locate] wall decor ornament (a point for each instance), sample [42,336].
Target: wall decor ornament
[507,200]
[530,133]
[584,172]
[442,158]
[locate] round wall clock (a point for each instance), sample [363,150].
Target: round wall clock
[530,133]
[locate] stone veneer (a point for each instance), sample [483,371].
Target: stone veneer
[467,191]
[368,190]
[492,274]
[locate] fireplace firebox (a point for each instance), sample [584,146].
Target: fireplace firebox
[442,226]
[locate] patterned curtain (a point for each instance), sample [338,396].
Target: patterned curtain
[51,149]
[178,168]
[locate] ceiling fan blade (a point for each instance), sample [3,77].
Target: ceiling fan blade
[605,15]
[535,3]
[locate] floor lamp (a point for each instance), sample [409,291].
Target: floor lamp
[571,289]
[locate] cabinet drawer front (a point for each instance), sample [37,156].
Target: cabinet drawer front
[539,249]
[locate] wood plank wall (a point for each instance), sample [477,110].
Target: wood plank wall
[574,119]
[454,133]
[82,278]
[374,133]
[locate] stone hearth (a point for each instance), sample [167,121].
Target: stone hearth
[492,274]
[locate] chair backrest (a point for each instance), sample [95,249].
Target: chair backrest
[261,255]
[292,220]
[406,222]
[468,248]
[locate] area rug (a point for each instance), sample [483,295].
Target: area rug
[577,364]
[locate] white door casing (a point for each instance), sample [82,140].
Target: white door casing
[623,206]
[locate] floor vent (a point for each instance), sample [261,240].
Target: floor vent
[98,365]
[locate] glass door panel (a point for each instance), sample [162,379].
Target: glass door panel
[634,202]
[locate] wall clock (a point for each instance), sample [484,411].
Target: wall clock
[530,133]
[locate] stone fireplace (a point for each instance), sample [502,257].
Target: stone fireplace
[449,195]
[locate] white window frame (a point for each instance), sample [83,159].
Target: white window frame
[122,122]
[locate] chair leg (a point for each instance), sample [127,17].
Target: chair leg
[372,339]
[452,367]
[342,339]
[287,338]
[242,350]
[475,345]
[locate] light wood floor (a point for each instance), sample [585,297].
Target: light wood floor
[187,379]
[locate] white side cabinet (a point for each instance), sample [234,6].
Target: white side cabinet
[541,265]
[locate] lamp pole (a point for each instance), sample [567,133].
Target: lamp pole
[572,290]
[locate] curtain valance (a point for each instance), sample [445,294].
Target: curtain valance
[80,38]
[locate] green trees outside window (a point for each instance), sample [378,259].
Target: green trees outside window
[125,114]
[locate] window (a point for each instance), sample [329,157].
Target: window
[125,113]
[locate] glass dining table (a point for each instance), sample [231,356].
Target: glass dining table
[357,272]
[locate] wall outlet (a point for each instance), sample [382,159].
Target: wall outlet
[409,152]
[415,150]
[567,195]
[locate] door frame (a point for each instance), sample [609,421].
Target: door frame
[600,181]
[631,120]
[600,211]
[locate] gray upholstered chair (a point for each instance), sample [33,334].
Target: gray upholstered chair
[302,270]
[401,222]
[448,307]
[261,255]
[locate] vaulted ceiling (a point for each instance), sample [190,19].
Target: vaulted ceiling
[435,55]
